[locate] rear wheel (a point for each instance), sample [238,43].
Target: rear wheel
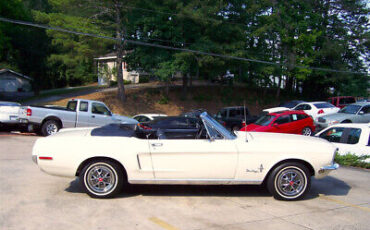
[49,127]
[306,131]
[102,178]
[289,181]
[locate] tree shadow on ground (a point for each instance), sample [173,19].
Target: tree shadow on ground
[326,186]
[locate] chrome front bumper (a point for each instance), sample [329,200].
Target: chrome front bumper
[324,169]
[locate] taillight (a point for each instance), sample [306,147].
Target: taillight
[45,158]
[320,111]
[144,126]
[29,112]
[224,124]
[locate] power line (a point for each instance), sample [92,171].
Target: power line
[19,22]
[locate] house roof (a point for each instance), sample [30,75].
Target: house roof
[16,73]
[111,56]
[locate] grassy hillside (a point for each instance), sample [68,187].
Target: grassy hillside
[211,98]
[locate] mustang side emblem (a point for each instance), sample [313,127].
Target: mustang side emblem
[260,169]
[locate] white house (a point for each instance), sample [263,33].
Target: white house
[107,70]
[13,82]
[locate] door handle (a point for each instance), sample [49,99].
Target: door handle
[157,144]
[92,116]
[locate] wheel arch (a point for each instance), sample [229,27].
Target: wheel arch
[305,163]
[88,160]
[57,119]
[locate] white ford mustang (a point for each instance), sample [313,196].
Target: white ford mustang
[106,158]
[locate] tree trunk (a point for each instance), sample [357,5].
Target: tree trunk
[120,47]
[185,85]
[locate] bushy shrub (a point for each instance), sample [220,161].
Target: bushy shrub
[143,79]
[352,160]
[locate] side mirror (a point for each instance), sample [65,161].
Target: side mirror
[361,113]
[275,125]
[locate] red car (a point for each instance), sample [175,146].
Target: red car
[295,122]
[341,101]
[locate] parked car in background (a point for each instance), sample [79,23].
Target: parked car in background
[48,120]
[290,104]
[316,109]
[354,113]
[171,127]
[341,101]
[233,118]
[228,77]
[349,138]
[294,122]
[106,161]
[195,113]
[9,114]
[145,117]
[284,106]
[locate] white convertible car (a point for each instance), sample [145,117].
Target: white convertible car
[106,158]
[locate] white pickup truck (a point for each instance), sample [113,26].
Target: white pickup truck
[47,120]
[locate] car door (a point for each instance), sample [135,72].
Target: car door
[100,115]
[193,160]
[282,124]
[83,115]
[363,116]
[296,124]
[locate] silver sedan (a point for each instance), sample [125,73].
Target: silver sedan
[353,113]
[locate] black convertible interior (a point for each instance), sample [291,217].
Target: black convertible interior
[126,130]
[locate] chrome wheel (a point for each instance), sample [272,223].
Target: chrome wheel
[291,182]
[307,131]
[101,178]
[51,128]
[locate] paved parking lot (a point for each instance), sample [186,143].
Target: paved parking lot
[31,199]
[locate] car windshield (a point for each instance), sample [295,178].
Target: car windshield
[290,104]
[264,120]
[350,109]
[323,105]
[222,130]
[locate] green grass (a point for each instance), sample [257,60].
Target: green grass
[56,92]
[352,160]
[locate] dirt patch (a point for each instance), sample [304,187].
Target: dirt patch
[211,98]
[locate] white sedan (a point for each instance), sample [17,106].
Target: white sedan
[316,109]
[145,117]
[349,138]
[106,158]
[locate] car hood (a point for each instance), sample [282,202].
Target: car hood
[337,116]
[123,119]
[256,128]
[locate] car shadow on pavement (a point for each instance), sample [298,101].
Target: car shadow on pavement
[329,186]
[182,190]
[326,186]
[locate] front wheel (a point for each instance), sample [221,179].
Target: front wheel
[102,179]
[289,181]
[306,131]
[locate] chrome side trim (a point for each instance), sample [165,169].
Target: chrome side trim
[196,181]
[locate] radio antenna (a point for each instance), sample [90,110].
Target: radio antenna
[245,120]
